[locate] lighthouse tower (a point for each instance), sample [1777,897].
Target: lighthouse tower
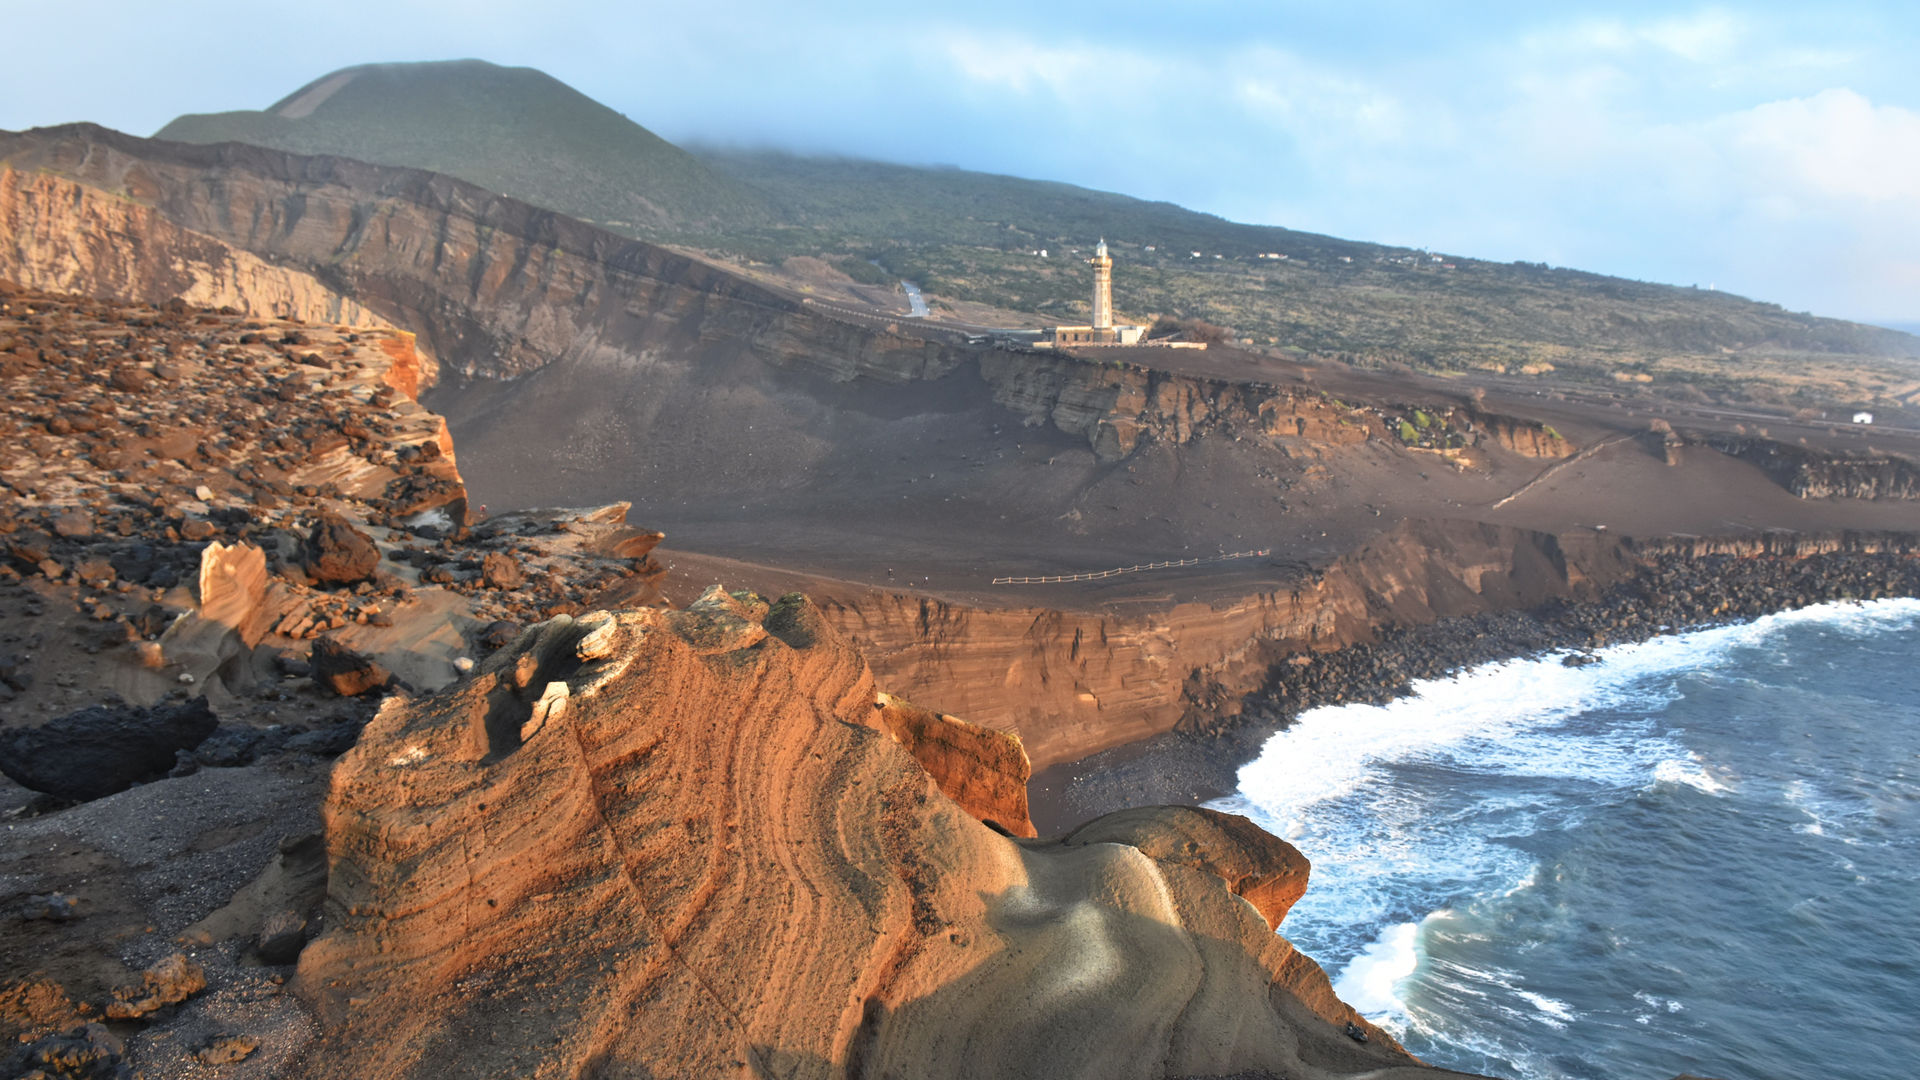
[1102,289]
[1102,331]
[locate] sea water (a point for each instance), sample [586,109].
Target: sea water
[1699,854]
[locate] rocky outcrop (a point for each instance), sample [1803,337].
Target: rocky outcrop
[676,843]
[983,770]
[1815,474]
[61,235]
[1115,406]
[1269,872]
[103,749]
[1528,438]
[279,469]
[233,587]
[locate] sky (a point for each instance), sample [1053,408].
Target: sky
[1768,149]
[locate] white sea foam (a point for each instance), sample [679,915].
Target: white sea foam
[1654,1001]
[1387,854]
[1687,772]
[1554,1012]
[1371,983]
[1525,883]
[1502,716]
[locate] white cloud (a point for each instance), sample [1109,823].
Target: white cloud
[1709,36]
[1010,63]
[1705,37]
[1836,150]
[1282,90]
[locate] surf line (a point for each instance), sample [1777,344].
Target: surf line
[1118,570]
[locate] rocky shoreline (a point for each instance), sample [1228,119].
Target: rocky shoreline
[1682,586]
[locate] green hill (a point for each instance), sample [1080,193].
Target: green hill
[972,236]
[968,236]
[516,131]
[942,205]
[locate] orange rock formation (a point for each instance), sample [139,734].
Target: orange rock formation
[654,843]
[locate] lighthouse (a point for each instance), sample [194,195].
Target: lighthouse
[1101,330]
[1102,287]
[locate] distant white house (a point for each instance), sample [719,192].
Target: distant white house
[1863,418]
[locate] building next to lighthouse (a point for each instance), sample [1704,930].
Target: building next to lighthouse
[1101,331]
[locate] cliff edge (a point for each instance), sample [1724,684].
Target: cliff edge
[684,843]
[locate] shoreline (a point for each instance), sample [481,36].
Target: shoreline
[1675,591]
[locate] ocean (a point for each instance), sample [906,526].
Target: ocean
[1700,853]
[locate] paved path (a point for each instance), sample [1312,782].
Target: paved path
[920,310]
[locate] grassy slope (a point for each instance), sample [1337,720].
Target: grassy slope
[969,235]
[513,130]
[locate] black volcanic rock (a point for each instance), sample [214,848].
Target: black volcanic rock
[88,1052]
[103,749]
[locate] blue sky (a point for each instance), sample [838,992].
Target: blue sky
[1767,149]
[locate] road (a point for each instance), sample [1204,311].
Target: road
[919,304]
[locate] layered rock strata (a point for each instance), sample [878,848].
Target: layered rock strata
[1814,475]
[1077,683]
[651,843]
[1073,683]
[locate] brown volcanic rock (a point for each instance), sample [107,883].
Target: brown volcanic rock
[345,671]
[656,844]
[984,770]
[338,553]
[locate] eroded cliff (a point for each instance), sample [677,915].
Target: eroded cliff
[673,844]
[1072,683]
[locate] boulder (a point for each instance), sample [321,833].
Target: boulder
[73,525]
[337,553]
[281,938]
[88,1052]
[130,378]
[345,671]
[103,748]
[499,634]
[502,571]
[169,981]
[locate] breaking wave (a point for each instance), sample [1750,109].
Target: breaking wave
[1467,838]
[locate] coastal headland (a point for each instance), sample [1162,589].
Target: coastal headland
[1411,524]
